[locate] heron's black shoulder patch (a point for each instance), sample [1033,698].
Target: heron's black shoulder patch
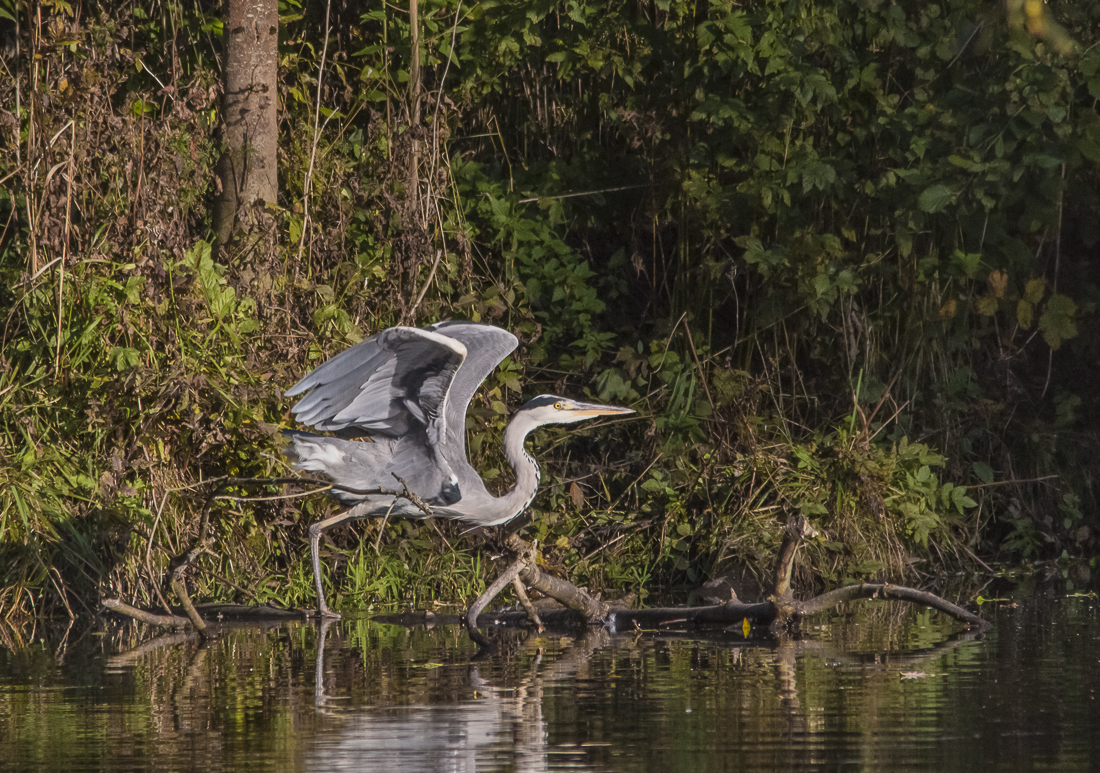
[542,400]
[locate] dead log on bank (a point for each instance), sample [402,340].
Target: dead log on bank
[780,609]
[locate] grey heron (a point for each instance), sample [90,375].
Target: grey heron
[406,390]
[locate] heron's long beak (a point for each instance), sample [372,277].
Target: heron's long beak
[588,410]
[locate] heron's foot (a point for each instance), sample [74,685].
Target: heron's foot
[327,614]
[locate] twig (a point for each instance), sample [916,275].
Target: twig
[887,591]
[180,590]
[1054,283]
[528,607]
[382,526]
[582,193]
[482,601]
[414,102]
[165,621]
[1014,480]
[427,283]
[316,136]
[419,503]
[798,528]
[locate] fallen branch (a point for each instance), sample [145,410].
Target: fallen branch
[780,608]
[222,613]
[665,618]
[179,565]
[886,591]
[560,590]
[164,621]
[525,602]
[506,577]
[524,571]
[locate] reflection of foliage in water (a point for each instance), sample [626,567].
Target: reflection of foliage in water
[249,700]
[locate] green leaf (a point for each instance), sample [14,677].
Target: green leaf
[1089,149]
[653,485]
[132,290]
[969,262]
[983,471]
[812,508]
[961,500]
[936,198]
[963,163]
[1057,321]
[123,357]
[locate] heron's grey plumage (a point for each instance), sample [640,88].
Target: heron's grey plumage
[408,389]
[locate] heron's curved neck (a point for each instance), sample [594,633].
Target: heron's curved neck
[527,469]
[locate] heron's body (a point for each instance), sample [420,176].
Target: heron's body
[407,390]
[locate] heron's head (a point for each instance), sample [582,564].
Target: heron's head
[551,409]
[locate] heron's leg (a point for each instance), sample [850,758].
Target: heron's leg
[315,532]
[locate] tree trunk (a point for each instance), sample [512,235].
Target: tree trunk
[247,171]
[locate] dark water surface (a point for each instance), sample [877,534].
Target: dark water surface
[879,688]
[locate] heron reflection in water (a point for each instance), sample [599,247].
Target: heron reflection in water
[407,390]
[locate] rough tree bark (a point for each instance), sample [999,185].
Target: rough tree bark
[247,171]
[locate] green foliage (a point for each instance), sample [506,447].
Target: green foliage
[876,187]
[724,215]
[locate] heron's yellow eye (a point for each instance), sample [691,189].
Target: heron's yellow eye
[557,406]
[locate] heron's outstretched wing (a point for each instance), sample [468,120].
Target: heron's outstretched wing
[487,347]
[387,385]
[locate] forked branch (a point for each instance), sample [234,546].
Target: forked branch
[780,608]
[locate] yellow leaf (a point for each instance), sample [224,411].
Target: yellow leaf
[998,282]
[576,495]
[745,627]
[947,311]
[1033,290]
[1023,314]
[987,305]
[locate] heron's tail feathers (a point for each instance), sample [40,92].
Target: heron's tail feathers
[313,453]
[357,465]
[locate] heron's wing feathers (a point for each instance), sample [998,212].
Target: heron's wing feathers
[385,385]
[487,347]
